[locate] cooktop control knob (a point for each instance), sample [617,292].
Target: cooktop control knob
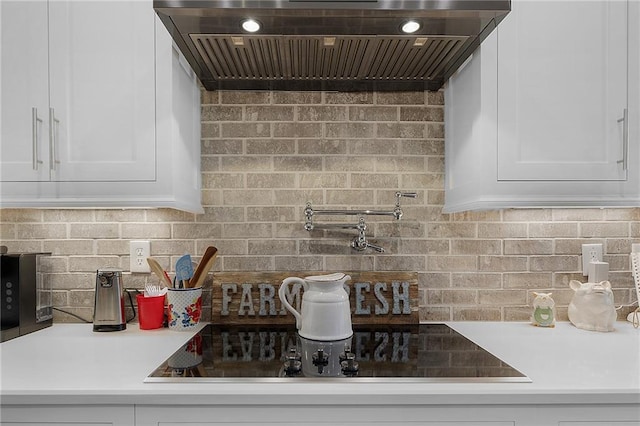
[293,364]
[349,365]
[343,355]
[320,358]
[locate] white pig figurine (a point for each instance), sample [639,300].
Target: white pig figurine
[592,306]
[544,312]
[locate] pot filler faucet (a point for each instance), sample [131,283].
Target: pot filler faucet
[360,242]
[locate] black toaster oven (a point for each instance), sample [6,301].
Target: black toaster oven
[26,299]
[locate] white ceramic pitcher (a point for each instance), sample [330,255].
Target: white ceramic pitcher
[325,313]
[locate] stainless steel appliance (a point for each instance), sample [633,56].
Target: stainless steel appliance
[375,353]
[108,310]
[342,45]
[26,303]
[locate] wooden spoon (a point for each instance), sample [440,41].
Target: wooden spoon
[203,267]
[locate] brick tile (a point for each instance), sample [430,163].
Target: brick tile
[322,113]
[604,229]
[400,98]
[528,246]
[245,130]
[323,146]
[271,146]
[243,97]
[373,113]
[349,130]
[269,113]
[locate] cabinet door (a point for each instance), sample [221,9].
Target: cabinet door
[562,73]
[102,90]
[24,74]
[76,415]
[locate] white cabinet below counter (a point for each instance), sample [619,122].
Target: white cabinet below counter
[76,415]
[547,111]
[322,415]
[389,415]
[98,108]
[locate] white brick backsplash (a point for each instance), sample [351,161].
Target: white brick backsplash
[271,146]
[145,230]
[555,263]
[77,246]
[195,231]
[17,215]
[476,280]
[337,98]
[68,216]
[330,146]
[94,230]
[38,231]
[401,98]
[322,113]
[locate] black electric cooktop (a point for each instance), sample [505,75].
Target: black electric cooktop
[378,353]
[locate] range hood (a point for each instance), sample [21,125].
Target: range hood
[328,45]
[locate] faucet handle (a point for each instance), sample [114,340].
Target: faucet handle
[406,194]
[397,211]
[375,247]
[361,244]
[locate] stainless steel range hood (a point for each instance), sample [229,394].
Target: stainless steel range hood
[328,45]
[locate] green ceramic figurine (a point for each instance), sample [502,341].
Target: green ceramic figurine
[544,314]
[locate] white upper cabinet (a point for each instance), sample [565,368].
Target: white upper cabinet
[102,92]
[562,70]
[546,112]
[90,111]
[78,91]
[24,80]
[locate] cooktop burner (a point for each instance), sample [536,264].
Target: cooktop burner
[384,353]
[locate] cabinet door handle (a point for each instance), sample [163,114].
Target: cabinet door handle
[53,139]
[35,137]
[625,139]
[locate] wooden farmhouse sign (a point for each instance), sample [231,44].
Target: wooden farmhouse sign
[252,297]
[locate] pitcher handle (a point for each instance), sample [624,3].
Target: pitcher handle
[285,302]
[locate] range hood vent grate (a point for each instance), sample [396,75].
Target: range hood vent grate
[343,45]
[345,58]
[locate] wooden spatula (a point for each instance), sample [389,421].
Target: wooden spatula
[203,267]
[160,273]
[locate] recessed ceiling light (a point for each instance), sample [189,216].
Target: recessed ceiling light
[250,25]
[410,27]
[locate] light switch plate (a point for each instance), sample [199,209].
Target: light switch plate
[138,253]
[590,252]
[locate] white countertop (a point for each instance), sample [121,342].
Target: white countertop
[69,363]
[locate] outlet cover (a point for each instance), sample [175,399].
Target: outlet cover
[590,252]
[138,253]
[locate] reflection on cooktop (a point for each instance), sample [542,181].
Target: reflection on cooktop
[383,353]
